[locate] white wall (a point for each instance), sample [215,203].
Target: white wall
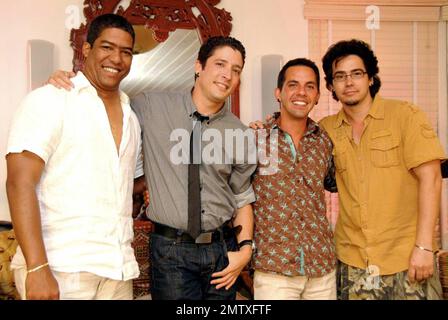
[20,21]
[263,26]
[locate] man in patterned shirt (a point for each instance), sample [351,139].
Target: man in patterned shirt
[295,256]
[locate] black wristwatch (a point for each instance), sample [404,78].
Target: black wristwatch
[247,242]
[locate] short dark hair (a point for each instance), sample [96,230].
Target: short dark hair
[356,47]
[105,21]
[208,47]
[298,62]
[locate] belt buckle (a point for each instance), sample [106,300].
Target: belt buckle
[204,238]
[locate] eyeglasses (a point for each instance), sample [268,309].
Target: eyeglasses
[354,75]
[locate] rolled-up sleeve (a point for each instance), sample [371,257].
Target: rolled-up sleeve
[240,183]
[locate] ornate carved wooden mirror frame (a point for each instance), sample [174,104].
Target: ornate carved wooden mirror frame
[162,17]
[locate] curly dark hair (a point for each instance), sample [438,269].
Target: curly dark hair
[345,48]
[105,21]
[208,47]
[298,62]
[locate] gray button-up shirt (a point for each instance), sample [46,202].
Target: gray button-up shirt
[225,172]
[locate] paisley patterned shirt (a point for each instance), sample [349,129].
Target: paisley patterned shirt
[292,233]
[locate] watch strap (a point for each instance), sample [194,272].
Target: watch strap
[245,243]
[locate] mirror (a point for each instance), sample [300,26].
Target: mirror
[169,66]
[169,34]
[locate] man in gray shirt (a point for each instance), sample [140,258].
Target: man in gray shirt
[183,267]
[204,266]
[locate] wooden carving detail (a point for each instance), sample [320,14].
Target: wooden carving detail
[162,16]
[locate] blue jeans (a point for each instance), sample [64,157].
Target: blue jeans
[182,271]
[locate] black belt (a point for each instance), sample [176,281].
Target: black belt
[183,236]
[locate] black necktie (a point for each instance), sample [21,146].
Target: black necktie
[194,191]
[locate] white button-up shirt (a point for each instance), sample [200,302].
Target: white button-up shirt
[85,192]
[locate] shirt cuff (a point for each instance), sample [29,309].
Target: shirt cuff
[411,164]
[245,198]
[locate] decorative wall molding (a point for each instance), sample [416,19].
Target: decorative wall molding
[401,3]
[358,12]
[391,10]
[445,13]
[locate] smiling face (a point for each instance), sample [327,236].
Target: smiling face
[299,93]
[351,92]
[109,60]
[220,75]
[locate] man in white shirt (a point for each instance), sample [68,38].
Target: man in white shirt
[70,161]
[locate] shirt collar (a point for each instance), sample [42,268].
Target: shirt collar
[273,123]
[340,118]
[188,98]
[376,111]
[81,83]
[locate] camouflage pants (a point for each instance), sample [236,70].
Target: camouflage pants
[358,284]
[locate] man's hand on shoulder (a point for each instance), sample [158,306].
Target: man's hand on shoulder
[258,124]
[61,79]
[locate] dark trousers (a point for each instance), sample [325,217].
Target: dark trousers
[182,270]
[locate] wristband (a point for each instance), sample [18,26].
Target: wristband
[37,268]
[424,249]
[251,243]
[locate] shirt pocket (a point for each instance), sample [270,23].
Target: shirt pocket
[340,156]
[384,149]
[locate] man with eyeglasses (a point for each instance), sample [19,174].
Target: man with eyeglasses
[387,159]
